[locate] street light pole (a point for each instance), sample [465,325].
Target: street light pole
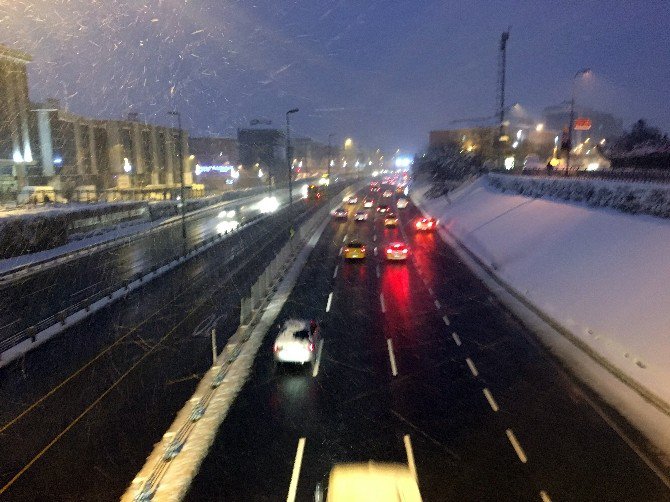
[288,161]
[181,177]
[330,154]
[581,72]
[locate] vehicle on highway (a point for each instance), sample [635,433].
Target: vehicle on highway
[397,251]
[341,213]
[361,216]
[353,200]
[368,203]
[390,220]
[383,208]
[296,342]
[426,224]
[387,194]
[315,192]
[402,203]
[370,481]
[354,250]
[375,189]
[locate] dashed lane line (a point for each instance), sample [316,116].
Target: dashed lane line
[335,272]
[330,300]
[375,250]
[472,366]
[456,338]
[517,447]
[438,306]
[446,320]
[489,398]
[544,496]
[345,238]
[293,487]
[410,456]
[394,368]
[430,290]
[317,364]
[383,304]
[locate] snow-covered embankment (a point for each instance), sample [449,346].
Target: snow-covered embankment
[602,275]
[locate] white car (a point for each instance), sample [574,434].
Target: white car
[353,200]
[296,342]
[361,216]
[368,203]
[402,203]
[387,194]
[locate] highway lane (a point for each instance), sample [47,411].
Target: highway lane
[28,300]
[488,414]
[112,384]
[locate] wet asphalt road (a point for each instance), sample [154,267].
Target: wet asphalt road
[28,300]
[80,414]
[489,415]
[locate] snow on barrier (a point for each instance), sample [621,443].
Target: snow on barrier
[207,409]
[629,197]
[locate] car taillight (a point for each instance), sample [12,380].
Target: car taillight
[346,250]
[310,347]
[363,249]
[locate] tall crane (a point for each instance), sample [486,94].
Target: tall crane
[502,66]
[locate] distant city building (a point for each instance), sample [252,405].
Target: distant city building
[263,149]
[16,143]
[479,139]
[603,125]
[215,150]
[120,154]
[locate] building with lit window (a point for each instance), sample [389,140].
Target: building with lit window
[16,145]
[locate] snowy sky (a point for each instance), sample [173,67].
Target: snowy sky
[382,71]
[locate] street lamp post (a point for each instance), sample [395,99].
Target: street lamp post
[583,71]
[181,177]
[288,161]
[330,154]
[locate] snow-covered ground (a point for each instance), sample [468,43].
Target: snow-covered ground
[601,274]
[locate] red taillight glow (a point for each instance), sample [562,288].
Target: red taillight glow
[346,250]
[363,249]
[311,347]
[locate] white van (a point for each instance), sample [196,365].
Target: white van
[38,195]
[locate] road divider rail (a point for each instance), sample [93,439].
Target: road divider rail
[251,310]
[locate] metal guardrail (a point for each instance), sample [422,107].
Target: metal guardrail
[251,309]
[31,332]
[636,175]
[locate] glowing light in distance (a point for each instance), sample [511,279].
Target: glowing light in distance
[260,173]
[403,161]
[509,163]
[593,166]
[303,191]
[227,226]
[268,205]
[127,167]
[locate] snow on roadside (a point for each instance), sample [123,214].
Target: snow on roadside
[602,274]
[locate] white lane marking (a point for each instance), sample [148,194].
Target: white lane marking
[410,456]
[437,305]
[335,273]
[375,250]
[517,447]
[381,300]
[293,487]
[317,364]
[330,300]
[446,320]
[377,271]
[456,338]
[489,398]
[345,237]
[430,290]
[374,237]
[472,366]
[544,496]
[394,368]
[340,253]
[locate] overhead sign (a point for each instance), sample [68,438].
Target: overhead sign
[582,124]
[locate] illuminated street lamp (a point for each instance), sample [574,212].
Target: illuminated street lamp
[580,73]
[181,177]
[289,154]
